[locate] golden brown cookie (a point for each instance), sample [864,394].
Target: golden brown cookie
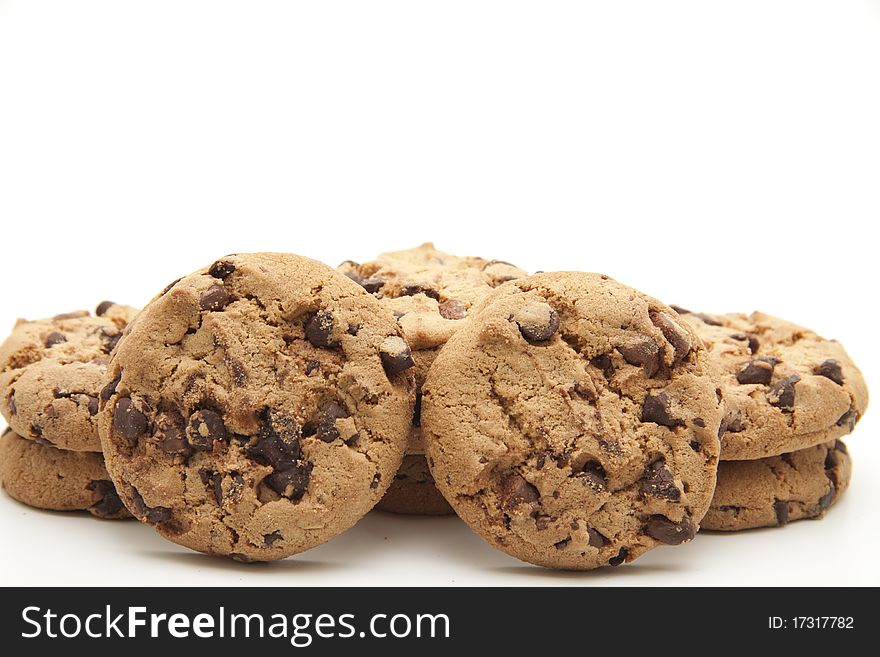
[774,491]
[51,371]
[431,294]
[783,387]
[48,478]
[573,422]
[257,407]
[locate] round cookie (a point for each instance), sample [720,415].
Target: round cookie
[774,491]
[431,293]
[573,422]
[258,407]
[48,478]
[413,490]
[51,372]
[783,387]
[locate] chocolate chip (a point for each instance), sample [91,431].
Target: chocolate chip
[278,446]
[754,344]
[371,285]
[103,307]
[452,309]
[269,539]
[215,481]
[669,532]
[731,423]
[830,460]
[561,545]
[108,503]
[781,395]
[605,364]
[54,338]
[708,319]
[756,371]
[205,426]
[537,322]
[396,355]
[699,422]
[128,421]
[695,445]
[109,342]
[93,406]
[326,429]
[110,389]
[826,500]
[413,290]
[312,365]
[417,411]
[215,298]
[542,521]
[221,269]
[515,490]
[376,479]
[597,540]
[291,483]
[594,475]
[656,409]
[658,481]
[620,558]
[780,507]
[644,354]
[830,369]
[154,514]
[849,419]
[677,335]
[319,330]
[170,434]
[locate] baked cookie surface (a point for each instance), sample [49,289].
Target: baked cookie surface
[573,422]
[783,387]
[51,373]
[774,491]
[59,480]
[431,293]
[258,407]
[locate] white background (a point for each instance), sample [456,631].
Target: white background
[721,156]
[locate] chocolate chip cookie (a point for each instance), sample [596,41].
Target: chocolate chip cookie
[431,294]
[60,480]
[257,407]
[51,372]
[774,491]
[573,422]
[783,387]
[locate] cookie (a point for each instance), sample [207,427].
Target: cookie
[573,422]
[51,372]
[413,491]
[784,388]
[60,480]
[431,294]
[774,491]
[258,407]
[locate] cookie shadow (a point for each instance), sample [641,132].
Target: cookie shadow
[257,568]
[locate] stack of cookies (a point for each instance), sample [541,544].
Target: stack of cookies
[788,397]
[264,404]
[51,375]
